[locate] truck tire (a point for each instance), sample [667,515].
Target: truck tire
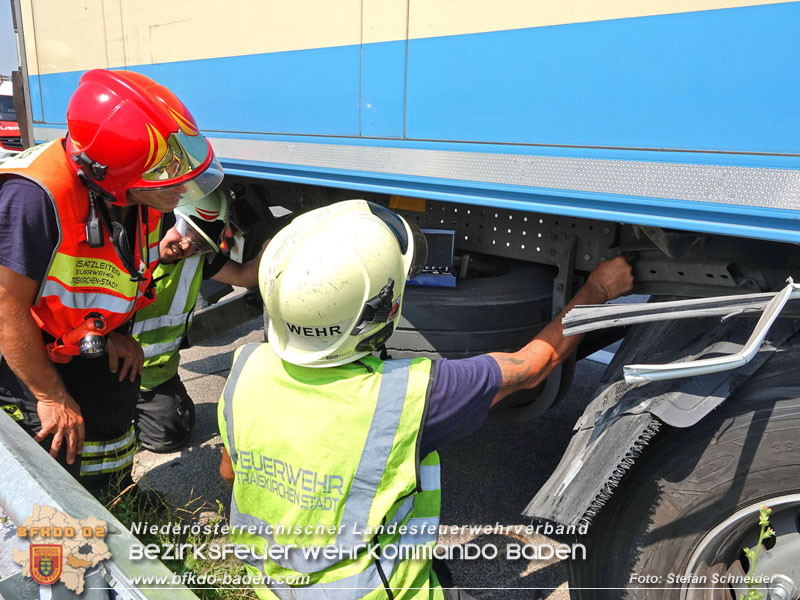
[501,311]
[690,505]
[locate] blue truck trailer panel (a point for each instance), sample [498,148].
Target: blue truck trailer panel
[684,120]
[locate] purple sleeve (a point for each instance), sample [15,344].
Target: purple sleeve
[28,228]
[461,394]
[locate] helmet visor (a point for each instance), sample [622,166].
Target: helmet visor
[197,243]
[182,154]
[420,251]
[400,228]
[165,198]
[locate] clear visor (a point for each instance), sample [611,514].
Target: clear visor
[168,197]
[420,251]
[397,225]
[197,243]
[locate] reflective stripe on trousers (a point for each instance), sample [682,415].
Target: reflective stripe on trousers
[371,466]
[108,455]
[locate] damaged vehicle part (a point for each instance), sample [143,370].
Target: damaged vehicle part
[622,419]
[686,509]
[643,373]
[590,318]
[594,317]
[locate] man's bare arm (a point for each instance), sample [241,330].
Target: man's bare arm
[23,348]
[532,364]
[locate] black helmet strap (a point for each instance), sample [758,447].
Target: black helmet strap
[98,217]
[377,309]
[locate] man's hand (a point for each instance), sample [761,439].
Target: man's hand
[127,349]
[23,348]
[530,366]
[64,421]
[226,467]
[612,278]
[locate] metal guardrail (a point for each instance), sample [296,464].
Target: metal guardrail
[30,476]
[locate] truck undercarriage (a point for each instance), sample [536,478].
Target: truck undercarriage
[517,269]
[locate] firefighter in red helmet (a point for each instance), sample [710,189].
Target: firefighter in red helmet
[79,231]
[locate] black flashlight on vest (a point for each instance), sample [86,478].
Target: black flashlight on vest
[87,340]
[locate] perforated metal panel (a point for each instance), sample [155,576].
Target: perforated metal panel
[517,234]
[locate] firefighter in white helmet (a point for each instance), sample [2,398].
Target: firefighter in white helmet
[197,247]
[324,436]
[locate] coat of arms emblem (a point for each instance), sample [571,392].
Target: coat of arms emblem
[46,563]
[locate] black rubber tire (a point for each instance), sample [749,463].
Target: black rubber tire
[689,481]
[489,314]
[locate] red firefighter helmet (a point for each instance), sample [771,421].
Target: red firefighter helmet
[131,135]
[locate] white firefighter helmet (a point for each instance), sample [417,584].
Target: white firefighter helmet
[207,222]
[332,281]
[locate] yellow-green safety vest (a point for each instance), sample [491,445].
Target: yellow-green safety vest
[160,327]
[327,460]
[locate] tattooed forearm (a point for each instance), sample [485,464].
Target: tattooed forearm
[529,366]
[515,370]
[526,368]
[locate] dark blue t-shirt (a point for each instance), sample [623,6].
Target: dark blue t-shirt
[461,394]
[28,228]
[28,236]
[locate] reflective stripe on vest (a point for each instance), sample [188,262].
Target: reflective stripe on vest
[227,394]
[264,430]
[380,436]
[176,315]
[154,255]
[159,322]
[161,327]
[346,588]
[85,301]
[429,481]
[154,350]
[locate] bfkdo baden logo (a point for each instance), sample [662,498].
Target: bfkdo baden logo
[46,562]
[61,547]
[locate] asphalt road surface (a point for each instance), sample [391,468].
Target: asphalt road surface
[487,478]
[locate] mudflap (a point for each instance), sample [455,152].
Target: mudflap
[618,424]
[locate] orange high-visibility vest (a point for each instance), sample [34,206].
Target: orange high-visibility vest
[80,279]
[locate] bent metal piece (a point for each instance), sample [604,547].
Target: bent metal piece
[646,373]
[592,317]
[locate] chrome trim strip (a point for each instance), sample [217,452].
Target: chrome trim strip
[743,186]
